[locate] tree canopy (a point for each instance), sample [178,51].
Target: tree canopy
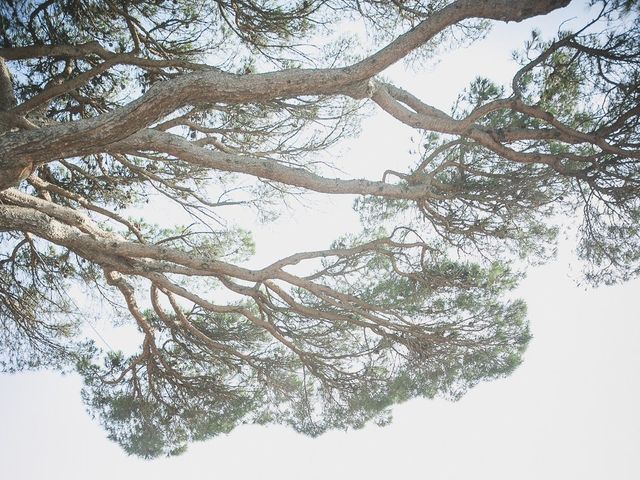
[225,104]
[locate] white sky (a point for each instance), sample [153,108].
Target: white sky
[569,412]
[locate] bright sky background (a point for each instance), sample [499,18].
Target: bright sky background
[569,412]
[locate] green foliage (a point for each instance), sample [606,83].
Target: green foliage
[38,325]
[414,306]
[587,80]
[193,387]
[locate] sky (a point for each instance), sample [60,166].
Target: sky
[569,412]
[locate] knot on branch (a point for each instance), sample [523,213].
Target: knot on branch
[13,175]
[363,89]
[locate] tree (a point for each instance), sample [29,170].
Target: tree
[104,104]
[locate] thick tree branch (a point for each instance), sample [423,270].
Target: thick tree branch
[194,154]
[7,95]
[81,137]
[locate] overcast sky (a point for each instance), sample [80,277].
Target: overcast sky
[569,412]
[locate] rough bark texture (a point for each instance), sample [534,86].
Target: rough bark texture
[21,150]
[413,305]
